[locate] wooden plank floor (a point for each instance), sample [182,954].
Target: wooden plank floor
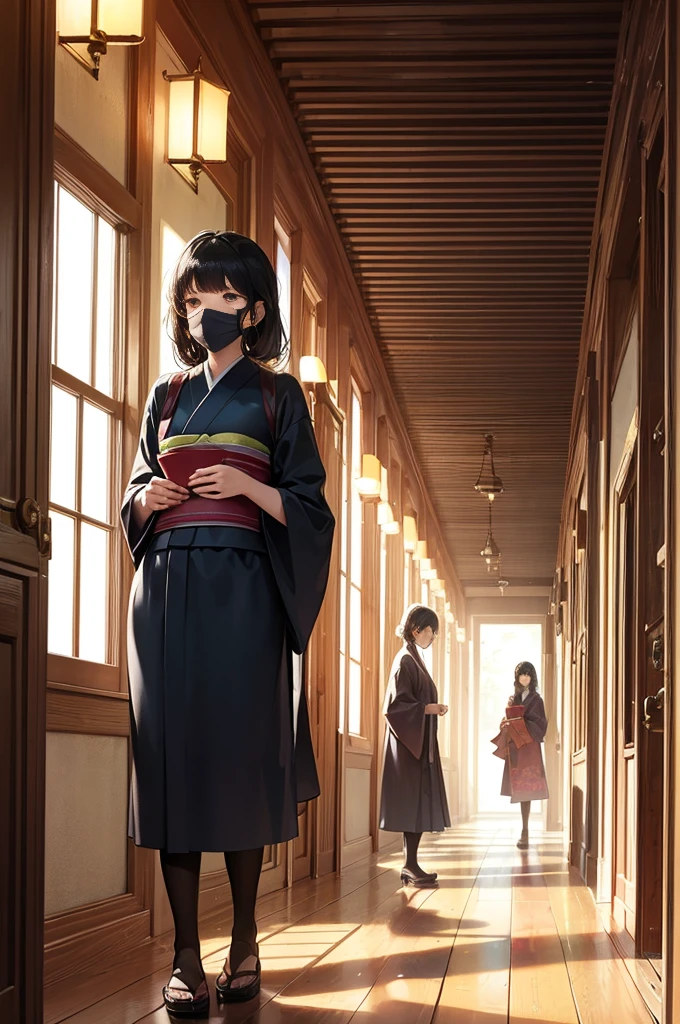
[508,938]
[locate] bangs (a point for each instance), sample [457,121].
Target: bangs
[210,273]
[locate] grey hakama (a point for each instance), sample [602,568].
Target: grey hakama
[413,793]
[215,614]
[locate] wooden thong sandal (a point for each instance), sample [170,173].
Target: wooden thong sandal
[229,993]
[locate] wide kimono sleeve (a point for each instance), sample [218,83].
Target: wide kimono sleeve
[535,718]
[300,550]
[144,468]
[405,712]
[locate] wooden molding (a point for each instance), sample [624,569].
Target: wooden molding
[83,950]
[80,173]
[88,674]
[98,715]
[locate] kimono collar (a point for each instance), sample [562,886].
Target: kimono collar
[223,391]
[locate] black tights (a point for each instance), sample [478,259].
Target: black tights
[411,844]
[181,874]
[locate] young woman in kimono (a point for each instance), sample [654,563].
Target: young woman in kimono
[519,742]
[413,797]
[231,535]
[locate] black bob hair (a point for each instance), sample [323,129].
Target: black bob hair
[209,259]
[417,617]
[525,668]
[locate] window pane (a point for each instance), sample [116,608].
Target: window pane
[60,594]
[106,309]
[94,545]
[75,245]
[63,448]
[354,714]
[341,696]
[96,463]
[343,612]
[283,275]
[355,539]
[355,623]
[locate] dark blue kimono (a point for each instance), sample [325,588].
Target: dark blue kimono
[215,612]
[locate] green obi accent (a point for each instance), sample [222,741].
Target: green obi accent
[219,440]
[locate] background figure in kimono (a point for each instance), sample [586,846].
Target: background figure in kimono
[522,731]
[231,536]
[413,797]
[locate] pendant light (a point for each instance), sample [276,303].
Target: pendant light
[491,552]
[488,482]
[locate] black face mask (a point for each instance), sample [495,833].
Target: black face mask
[217,329]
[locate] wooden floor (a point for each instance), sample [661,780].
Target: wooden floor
[508,937]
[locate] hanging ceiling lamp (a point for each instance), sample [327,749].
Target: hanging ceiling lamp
[491,552]
[488,482]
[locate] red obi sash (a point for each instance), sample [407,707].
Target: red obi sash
[180,462]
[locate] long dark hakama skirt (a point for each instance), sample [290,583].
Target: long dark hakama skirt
[211,702]
[413,791]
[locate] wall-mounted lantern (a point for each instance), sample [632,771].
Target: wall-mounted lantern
[410,534]
[86,28]
[490,552]
[369,483]
[197,124]
[421,551]
[312,370]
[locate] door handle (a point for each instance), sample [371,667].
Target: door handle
[32,521]
[654,711]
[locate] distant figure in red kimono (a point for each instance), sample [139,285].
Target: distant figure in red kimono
[413,796]
[519,743]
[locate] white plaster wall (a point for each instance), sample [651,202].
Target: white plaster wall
[95,114]
[357,804]
[178,212]
[85,819]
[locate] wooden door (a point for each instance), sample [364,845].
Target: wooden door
[651,578]
[26,74]
[625,674]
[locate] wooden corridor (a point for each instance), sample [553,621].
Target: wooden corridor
[508,938]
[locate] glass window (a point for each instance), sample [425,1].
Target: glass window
[86,422]
[355,560]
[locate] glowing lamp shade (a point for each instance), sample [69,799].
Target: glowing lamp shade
[120,20]
[312,370]
[386,521]
[421,551]
[197,124]
[87,27]
[410,534]
[368,484]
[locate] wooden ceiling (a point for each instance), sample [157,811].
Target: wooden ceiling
[459,146]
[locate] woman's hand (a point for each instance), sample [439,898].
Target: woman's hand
[160,494]
[219,482]
[436,709]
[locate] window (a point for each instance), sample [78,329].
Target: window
[354,722]
[283,276]
[85,432]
